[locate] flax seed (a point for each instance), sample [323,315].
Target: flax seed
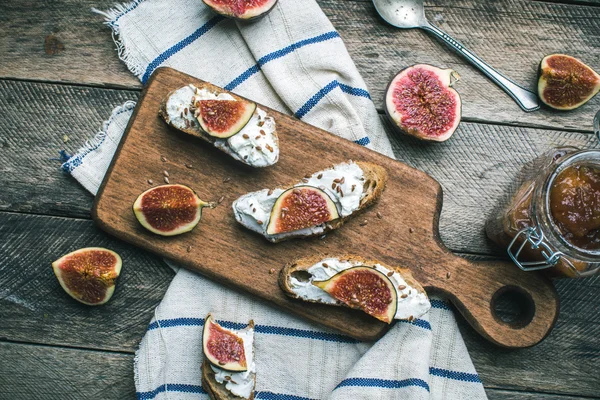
[319,176]
[401,287]
[404,295]
[390,273]
[245,136]
[379,215]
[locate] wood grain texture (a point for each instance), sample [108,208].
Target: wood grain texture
[412,200]
[35,308]
[31,372]
[475,168]
[39,120]
[379,51]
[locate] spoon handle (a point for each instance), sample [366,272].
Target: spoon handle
[526,99]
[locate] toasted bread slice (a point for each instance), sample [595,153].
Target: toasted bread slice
[413,305]
[177,111]
[216,390]
[374,181]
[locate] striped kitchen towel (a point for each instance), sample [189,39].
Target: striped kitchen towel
[292,60]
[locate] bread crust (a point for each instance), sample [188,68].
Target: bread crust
[305,263]
[375,181]
[216,390]
[196,131]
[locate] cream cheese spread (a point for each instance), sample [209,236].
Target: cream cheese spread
[414,304]
[256,144]
[240,383]
[253,210]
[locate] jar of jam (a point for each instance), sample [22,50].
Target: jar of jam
[552,221]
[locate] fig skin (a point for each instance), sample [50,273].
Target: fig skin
[183,228]
[277,212]
[329,286]
[544,70]
[239,18]
[236,126]
[233,366]
[103,279]
[448,78]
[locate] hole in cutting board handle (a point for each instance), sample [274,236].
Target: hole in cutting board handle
[513,306]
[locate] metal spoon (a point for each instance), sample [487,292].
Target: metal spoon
[409,14]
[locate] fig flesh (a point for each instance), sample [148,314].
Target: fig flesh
[241,9]
[169,210]
[365,289]
[565,82]
[222,347]
[224,118]
[421,102]
[88,275]
[301,207]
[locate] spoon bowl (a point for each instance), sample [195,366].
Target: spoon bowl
[408,14]
[405,14]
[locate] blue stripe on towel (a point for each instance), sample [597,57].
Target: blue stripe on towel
[458,376]
[182,44]
[277,396]
[383,383]
[363,141]
[421,323]
[441,304]
[313,101]
[131,7]
[172,387]
[278,54]
[264,329]
[197,389]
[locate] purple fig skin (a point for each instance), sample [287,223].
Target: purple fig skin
[90,281]
[395,125]
[548,104]
[253,18]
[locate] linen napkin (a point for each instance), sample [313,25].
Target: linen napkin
[292,60]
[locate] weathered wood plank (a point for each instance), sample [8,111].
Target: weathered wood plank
[475,168]
[63,41]
[31,372]
[495,394]
[35,308]
[36,119]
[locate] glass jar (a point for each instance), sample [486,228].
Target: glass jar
[552,221]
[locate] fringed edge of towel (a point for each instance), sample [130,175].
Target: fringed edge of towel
[95,142]
[112,17]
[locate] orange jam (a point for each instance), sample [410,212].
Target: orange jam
[575,205]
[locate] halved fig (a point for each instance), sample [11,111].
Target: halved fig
[365,289]
[421,102]
[301,207]
[88,275]
[169,210]
[565,82]
[224,118]
[241,9]
[222,347]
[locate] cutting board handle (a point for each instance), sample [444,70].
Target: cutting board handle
[475,288]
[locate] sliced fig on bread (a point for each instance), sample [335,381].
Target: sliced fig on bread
[317,204]
[232,124]
[382,291]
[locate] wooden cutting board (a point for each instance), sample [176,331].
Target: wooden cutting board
[221,249]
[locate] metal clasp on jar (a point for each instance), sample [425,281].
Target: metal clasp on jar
[535,237]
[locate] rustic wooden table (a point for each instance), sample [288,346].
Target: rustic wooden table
[60,75]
